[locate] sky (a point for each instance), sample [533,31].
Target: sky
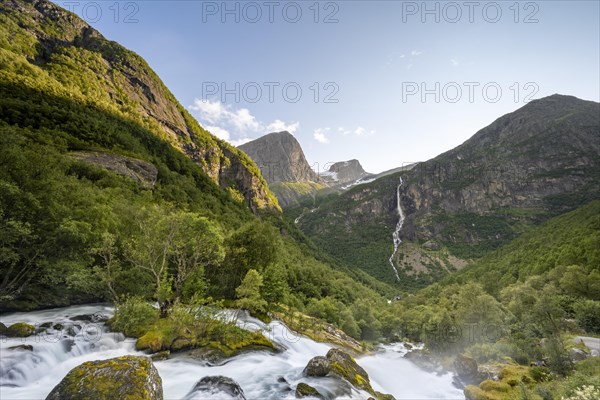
[385,82]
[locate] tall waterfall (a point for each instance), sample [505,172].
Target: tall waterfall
[396,234]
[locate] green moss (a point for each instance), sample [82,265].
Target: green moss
[474,393]
[20,329]
[490,386]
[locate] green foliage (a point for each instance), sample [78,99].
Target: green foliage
[587,313]
[248,293]
[134,316]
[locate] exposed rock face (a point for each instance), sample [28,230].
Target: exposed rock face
[126,82]
[528,166]
[344,172]
[140,171]
[127,377]
[280,158]
[216,387]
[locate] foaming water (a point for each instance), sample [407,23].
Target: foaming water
[262,375]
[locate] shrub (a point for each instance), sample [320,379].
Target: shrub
[134,317]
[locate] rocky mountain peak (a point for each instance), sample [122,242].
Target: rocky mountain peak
[280,158]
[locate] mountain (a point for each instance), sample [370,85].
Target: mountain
[281,160]
[527,166]
[100,166]
[344,173]
[57,53]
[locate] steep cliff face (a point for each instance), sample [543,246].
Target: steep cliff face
[537,162]
[283,164]
[280,158]
[69,58]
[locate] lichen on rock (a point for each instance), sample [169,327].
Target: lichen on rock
[126,378]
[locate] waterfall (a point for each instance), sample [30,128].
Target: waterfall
[396,234]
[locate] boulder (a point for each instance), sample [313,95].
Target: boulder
[212,356]
[343,365]
[216,387]
[20,329]
[305,390]
[22,347]
[127,377]
[466,368]
[161,355]
[422,360]
[317,366]
[92,318]
[577,354]
[2,328]
[594,353]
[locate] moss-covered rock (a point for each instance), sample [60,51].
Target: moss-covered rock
[2,328]
[475,393]
[345,366]
[305,390]
[20,329]
[161,355]
[466,368]
[318,366]
[127,378]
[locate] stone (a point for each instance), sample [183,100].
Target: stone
[92,318]
[577,354]
[161,355]
[305,390]
[343,365]
[317,366]
[19,329]
[22,347]
[214,387]
[127,377]
[466,368]
[422,360]
[594,353]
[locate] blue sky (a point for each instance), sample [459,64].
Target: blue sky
[380,81]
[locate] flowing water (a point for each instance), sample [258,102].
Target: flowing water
[28,374]
[396,234]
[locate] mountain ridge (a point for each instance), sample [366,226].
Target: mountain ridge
[527,166]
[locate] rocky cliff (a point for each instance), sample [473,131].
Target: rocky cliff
[280,158]
[540,161]
[344,173]
[69,58]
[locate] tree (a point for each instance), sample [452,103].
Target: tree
[275,285]
[248,293]
[174,248]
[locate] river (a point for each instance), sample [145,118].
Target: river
[31,375]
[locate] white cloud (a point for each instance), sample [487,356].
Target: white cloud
[344,131]
[454,62]
[233,125]
[218,132]
[209,110]
[416,53]
[243,120]
[319,135]
[360,131]
[278,126]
